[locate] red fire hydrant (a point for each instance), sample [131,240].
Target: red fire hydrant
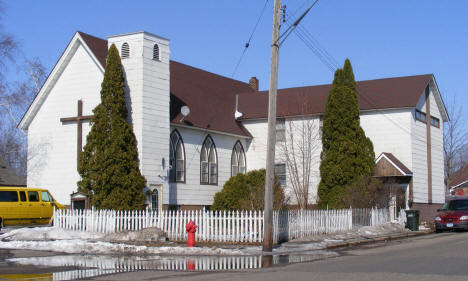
[191,229]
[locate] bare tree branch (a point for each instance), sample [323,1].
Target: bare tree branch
[455,139]
[302,143]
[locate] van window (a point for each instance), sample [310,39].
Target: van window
[33,196]
[8,196]
[22,196]
[45,196]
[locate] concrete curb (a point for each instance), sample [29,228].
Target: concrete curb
[352,243]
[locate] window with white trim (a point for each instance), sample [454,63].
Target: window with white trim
[280,130]
[176,158]
[280,172]
[208,162]
[155,200]
[237,159]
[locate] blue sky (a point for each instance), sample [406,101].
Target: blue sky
[381,38]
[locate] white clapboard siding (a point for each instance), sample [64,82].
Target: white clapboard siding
[222,226]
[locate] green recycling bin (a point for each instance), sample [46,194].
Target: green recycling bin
[412,219]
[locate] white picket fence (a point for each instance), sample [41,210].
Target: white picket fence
[215,226]
[302,223]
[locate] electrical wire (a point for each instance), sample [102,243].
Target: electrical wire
[330,62]
[316,48]
[293,26]
[248,41]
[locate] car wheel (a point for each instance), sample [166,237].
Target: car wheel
[438,230]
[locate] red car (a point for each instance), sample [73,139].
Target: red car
[453,215]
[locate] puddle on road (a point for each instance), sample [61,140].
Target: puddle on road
[96,265]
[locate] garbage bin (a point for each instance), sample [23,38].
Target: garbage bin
[412,219]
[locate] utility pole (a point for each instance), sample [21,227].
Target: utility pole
[270,160]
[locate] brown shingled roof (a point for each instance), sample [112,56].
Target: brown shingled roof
[97,45]
[459,177]
[210,97]
[399,92]
[397,163]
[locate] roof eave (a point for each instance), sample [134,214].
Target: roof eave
[175,124]
[321,113]
[459,184]
[403,173]
[439,99]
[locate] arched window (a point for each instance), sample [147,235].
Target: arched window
[177,158]
[237,159]
[156,52]
[155,200]
[208,162]
[125,51]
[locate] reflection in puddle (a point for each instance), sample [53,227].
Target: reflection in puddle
[92,265]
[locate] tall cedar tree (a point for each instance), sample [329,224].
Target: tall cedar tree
[108,165]
[347,153]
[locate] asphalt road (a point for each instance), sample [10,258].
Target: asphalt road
[435,257]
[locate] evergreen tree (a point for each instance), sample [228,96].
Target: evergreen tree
[347,153]
[108,165]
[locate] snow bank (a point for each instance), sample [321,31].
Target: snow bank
[77,246]
[150,234]
[384,229]
[80,242]
[48,233]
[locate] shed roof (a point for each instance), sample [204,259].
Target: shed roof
[459,177]
[8,177]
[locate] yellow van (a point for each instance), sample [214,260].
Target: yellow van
[26,206]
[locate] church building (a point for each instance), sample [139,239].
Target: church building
[196,129]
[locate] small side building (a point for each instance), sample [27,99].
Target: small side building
[8,177]
[458,182]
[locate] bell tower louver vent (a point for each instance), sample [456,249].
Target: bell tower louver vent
[156,52]
[125,52]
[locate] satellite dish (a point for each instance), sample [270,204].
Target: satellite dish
[185,110]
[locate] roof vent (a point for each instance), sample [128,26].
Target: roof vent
[237,113]
[125,51]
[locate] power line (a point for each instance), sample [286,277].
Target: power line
[330,62]
[248,41]
[322,49]
[293,26]
[316,48]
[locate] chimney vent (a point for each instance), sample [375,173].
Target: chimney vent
[253,82]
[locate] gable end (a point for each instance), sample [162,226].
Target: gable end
[54,75]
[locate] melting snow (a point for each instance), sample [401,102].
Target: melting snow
[80,242]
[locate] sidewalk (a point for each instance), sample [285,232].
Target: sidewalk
[363,235]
